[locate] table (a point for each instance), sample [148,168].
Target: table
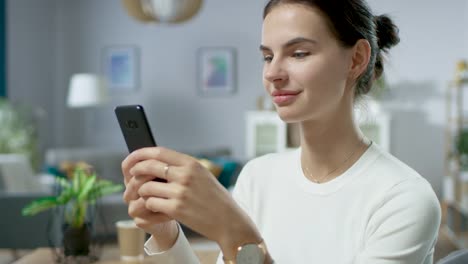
[110,255]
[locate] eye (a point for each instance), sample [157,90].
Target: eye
[300,54]
[267,58]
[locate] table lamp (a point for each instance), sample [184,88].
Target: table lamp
[86,90]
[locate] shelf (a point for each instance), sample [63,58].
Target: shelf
[457,120]
[460,241]
[454,84]
[455,213]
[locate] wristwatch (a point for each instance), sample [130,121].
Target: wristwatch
[249,254]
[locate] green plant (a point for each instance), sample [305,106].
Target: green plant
[76,194]
[461,147]
[18,133]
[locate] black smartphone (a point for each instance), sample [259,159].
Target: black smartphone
[135,128]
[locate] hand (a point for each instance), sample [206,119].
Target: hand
[192,195]
[163,229]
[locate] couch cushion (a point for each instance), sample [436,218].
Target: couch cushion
[17,175]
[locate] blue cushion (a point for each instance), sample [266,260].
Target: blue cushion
[229,171]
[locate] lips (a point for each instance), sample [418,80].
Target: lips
[284,97]
[283,92]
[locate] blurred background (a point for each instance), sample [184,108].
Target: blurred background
[166,66]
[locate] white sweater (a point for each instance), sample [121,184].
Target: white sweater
[378,211]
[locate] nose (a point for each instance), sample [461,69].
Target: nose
[274,72]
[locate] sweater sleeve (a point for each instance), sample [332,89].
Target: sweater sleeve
[181,252]
[404,228]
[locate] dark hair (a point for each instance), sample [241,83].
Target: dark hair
[350,21]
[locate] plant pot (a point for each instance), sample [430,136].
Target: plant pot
[76,241]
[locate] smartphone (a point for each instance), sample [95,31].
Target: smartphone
[135,128]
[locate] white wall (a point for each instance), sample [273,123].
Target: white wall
[433,37]
[31,44]
[181,119]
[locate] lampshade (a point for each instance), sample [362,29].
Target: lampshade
[167,11]
[86,90]
[135,9]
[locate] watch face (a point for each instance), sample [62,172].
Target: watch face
[250,254]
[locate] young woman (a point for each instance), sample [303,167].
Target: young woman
[338,198]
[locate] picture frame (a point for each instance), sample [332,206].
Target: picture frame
[120,66]
[216,71]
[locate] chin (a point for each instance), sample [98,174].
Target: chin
[288,115]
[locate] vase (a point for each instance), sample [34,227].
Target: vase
[76,240]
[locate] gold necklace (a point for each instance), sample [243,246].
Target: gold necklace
[341,164]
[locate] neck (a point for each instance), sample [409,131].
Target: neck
[330,146]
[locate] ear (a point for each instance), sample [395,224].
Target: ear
[361,57]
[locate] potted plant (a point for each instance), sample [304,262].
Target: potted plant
[459,165]
[19,133]
[462,149]
[76,194]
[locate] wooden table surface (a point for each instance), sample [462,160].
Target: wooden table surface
[110,255]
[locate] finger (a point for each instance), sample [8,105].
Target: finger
[126,174]
[131,189]
[162,154]
[150,221]
[158,189]
[137,208]
[126,165]
[144,171]
[161,205]
[143,217]
[129,194]
[152,169]
[149,169]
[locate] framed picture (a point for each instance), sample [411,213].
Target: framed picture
[216,71]
[120,67]
[266,133]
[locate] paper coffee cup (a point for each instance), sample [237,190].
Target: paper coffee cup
[131,241]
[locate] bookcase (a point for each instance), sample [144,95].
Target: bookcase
[455,181]
[266,133]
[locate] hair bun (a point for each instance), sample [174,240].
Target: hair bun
[387,32]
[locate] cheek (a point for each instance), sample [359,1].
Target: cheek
[311,76]
[265,82]
[322,75]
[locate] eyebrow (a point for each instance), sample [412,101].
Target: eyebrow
[291,42]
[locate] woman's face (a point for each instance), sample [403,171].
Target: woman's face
[306,69]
